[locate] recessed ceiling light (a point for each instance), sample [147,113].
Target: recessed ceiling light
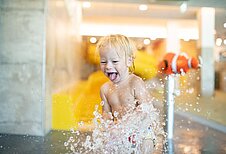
[143,7]
[147,41]
[86,4]
[225,25]
[218,41]
[93,40]
[224,41]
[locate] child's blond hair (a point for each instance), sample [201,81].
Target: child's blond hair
[120,43]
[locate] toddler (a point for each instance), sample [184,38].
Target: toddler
[125,92]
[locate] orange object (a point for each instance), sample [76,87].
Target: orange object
[177,63]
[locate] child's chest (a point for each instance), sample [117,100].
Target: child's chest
[120,96]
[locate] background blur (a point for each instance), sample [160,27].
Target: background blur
[50,76]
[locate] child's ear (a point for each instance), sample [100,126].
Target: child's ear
[129,61]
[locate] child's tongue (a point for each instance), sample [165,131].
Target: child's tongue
[112,76]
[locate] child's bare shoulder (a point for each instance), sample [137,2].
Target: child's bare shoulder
[136,79]
[136,82]
[104,87]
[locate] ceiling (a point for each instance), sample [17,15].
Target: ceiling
[159,12]
[194,3]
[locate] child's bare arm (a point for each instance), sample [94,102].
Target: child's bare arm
[141,93]
[106,109]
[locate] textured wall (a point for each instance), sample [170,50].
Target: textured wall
[63,46]
[63,56]
[39,54]
[21,51]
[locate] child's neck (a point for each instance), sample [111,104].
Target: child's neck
[122,82]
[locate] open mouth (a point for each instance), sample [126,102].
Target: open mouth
[112,75]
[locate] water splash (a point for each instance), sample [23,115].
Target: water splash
[136,132]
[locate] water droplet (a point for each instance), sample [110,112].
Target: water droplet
[77,132]
[102,103]
[66,144]
[88,137]
[71,139]
[96,107]
[81,123]
[116,114]
[190,90]
[182,72]
[110,136]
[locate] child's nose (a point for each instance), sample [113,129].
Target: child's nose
[109,65]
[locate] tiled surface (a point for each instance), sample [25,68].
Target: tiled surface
[189,138]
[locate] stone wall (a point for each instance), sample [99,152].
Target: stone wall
[21,52]
[38,55]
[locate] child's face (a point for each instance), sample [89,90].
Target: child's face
[113,65]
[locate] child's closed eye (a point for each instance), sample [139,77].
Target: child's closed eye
[115,61]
